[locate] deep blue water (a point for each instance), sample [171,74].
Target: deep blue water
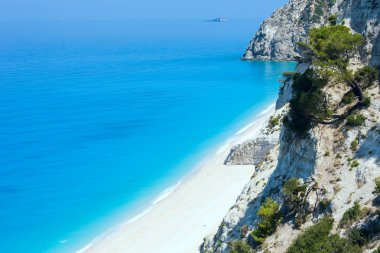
[96,118]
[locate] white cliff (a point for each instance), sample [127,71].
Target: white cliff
[335,174]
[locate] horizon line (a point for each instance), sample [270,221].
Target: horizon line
[131,19]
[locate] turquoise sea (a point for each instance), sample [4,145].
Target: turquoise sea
[98,118]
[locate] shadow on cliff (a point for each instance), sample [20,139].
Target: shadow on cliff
[370,147]
[375,57]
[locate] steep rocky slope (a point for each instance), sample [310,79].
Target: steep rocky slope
[333,171]
[336,163]
[277,37]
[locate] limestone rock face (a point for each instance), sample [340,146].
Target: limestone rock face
[277,37]
[363,16]
[251,152]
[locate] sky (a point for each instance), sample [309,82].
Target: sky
[135,9]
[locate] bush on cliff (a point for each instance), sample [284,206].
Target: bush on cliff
[357,237]
[377,186]
[348,98]
[288,74]
[331,48]
[367,101]
[355,120]
[317,238]
[274,121]
[270,216]
[334,46]
[332,19]
[294,192]
[309,103]
[240,246]
[350,215]
[366,76]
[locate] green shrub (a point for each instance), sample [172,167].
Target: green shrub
[330,48]
[240,246]
[317,239]
[357,237]
[332,19]
[293,192]
[377,250]
[366,76]
[307,109]
[308,81]
[244,230]
[270,216]
[355,120]
[299,124]
[288,74]
[350,215]
[274,121]
[367,101]
[354,164]
[348,98]
[333,46]
[354,145]
[337,244]
[309,104]
[377,186]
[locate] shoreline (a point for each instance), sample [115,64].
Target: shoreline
[209,172]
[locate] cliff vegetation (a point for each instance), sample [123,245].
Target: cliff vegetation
[317,188]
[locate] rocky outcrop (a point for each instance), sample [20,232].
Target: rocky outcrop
[251,152]
[277,37]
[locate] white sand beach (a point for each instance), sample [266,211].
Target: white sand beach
[179,222]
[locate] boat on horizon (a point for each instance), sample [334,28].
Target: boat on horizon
[218,19]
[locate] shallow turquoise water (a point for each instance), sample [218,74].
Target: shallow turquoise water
[97,118]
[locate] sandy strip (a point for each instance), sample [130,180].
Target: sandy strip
[179,222]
